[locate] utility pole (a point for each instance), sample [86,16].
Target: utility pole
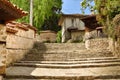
[31,12]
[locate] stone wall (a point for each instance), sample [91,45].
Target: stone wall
[19,41]
[114,46]
[15,41]
[98,43]
[47,36]
[2,49]
[70,22]
[77,35]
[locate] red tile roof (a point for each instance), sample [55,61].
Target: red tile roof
[9,11]
[23,26]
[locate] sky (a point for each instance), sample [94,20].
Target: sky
[72,7]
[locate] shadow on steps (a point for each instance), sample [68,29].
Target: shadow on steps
[33,53]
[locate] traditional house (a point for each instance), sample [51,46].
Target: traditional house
[8,12]
[72,27]
[92,27]
[94,33]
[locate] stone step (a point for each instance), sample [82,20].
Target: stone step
[1,77]
[86,59]
[35,51]
[34,79]
[103,60]
[83,51]
[109,72]
[107,79]
[58,46]
[62,56]
[65,66]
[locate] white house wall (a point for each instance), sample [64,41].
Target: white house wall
[79,24]
[65,33]
[68,23]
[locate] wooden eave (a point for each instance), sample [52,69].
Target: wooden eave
[98,28]
[77,30]
[91,22]
[63,16]
[9,12]
[74,29]
[74,15]
[47,31]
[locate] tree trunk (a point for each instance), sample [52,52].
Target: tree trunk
[31,12]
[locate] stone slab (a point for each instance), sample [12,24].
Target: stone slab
[2,60]
[2,70]
[15,55]
[73,62]
[27,34]
[1,77]
[18,42]
[40,72]
[65,66]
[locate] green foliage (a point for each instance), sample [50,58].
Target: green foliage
[77,41]
[51,23]
[85,4]
[42,10]
[106,10]
[24,4]
[59,36]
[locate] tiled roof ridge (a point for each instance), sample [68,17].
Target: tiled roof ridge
[13,6]
[21,25]
[10,12]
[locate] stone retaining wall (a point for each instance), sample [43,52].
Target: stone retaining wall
[19,41]
[98,43]
[115,47]
[47,36]
[3,50]
[15,41]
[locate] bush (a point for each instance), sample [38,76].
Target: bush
[59,36]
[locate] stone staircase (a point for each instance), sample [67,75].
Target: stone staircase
[66,61]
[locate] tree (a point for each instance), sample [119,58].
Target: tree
[24,4]
[42,10]
[31,12]
[108,11]
[85,4]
